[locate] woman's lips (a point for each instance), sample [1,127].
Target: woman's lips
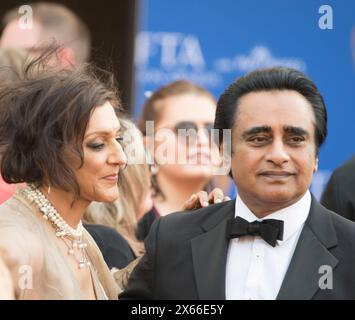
[111,178]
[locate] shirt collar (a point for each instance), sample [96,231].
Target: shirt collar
[294,216]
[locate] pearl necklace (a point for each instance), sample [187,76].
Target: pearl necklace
[62,229]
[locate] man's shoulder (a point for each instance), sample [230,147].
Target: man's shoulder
[190,223]
[176,229]
[199,216]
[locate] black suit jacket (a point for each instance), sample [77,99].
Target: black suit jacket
[186,257]
[114,248]
[339,194]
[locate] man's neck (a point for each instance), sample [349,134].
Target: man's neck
[263,209]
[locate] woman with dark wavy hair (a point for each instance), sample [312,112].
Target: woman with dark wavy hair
[60,134]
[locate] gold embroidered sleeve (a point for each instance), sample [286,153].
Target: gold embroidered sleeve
[122,275]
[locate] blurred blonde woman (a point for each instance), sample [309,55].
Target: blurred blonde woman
[180,106]
[123,215]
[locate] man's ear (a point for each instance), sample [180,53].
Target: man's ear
[226,158]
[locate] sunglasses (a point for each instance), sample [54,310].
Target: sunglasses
[190,125]
[192,128]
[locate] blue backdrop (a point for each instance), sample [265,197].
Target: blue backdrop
[212,42]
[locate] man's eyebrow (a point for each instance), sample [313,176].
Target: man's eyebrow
[103,132]
[255,130]
[296,130]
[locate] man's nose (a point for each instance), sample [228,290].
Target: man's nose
[277,153]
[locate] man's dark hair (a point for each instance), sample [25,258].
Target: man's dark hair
[43,119]
[277,78]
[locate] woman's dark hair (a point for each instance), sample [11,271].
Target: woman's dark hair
[277,78]
[44,115]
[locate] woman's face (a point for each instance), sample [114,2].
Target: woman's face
[103,157]
[187,158]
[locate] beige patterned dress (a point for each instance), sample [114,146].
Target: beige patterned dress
[39,268]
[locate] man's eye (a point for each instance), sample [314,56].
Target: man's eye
[296,140]
[259,139]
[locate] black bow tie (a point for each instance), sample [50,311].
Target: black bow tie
[270,230]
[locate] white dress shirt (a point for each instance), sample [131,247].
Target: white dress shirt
[255,270]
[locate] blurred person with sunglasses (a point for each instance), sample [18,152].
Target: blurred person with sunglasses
[176,122]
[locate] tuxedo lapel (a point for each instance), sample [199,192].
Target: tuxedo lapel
[209,254]
[318,235]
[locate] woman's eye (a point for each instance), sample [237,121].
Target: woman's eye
[96,146]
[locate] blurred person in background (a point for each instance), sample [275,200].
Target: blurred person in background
[51,23]
[339,195]
[180,105]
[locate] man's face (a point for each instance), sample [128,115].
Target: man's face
[274,151]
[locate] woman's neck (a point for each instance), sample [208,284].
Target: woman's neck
[176,193]
[63,203]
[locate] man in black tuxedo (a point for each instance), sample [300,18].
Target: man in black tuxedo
[274,241]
